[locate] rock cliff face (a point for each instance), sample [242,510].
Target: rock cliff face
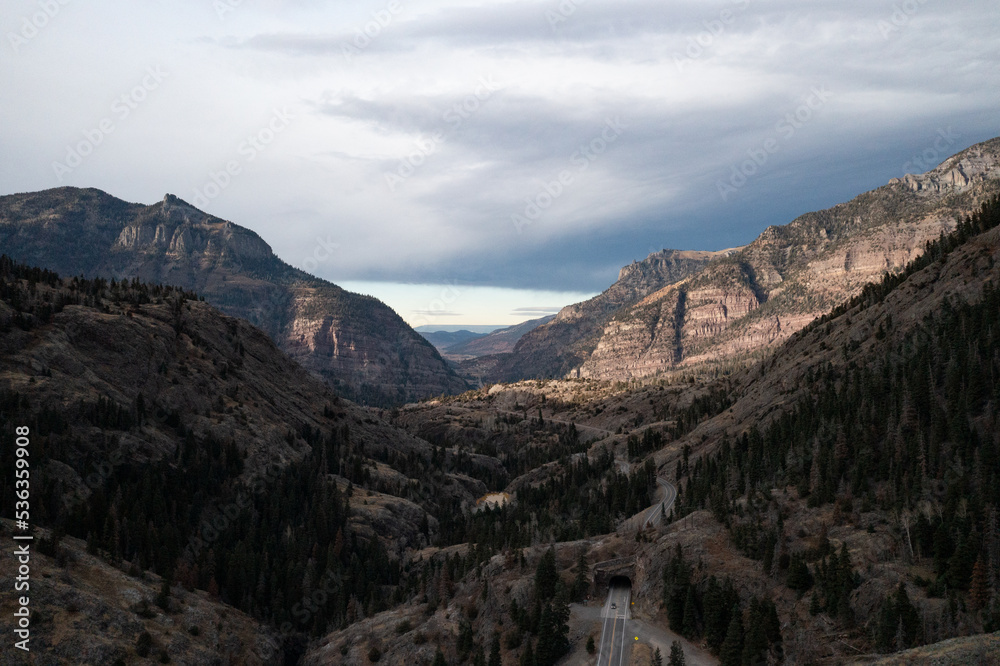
[561,345]
[358,344]
[757,296]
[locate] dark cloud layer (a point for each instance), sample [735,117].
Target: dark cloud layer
[537,145]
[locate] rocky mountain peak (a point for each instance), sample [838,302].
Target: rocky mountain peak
[357,343]
[973,166]
[680,307]
[759,295]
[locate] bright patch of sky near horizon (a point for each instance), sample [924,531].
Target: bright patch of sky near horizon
[455,306]
[431,151]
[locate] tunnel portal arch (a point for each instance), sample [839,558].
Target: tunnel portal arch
[621,570]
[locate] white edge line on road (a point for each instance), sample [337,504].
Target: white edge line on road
[604,630]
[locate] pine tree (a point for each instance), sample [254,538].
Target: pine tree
[772,628]
[676,578]
[960,565]
[545,647]
[943,548]
[546,575]
[731,652]
[716,608]
[676,654]
[799,578]
[979,592]
[163,598]
[690,614]
[466,638]
[755,642]
[908,616]
[528,656]
[657,658]
[580,585]
[844,611]
[553,632]
[591,648]
[899,624]
[495,658]
[439,659]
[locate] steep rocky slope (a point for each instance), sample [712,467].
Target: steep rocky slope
[981,650]
[564,343]
[756,297]
[86,611]
[358,344]
[816,376]
[913,501]
[180,441]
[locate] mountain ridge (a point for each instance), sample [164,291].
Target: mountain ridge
[499,341]
[357,343]
[557,347]
[808,470]
[722,309]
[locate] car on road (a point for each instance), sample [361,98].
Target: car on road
[613,605]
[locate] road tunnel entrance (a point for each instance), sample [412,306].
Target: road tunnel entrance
[620,582]
[621,571]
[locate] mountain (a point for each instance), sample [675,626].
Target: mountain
[481,329]
[854,472]
[114,615]
[842,493]
[358,344]
[177,440]
[499,341]
[444,340]
[843,489]
[555,348]
[725,308]
[464,345]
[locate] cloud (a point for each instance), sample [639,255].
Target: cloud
[436,313]
[539,310]
[400,158]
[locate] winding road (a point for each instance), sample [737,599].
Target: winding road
[616,645]
[661,508]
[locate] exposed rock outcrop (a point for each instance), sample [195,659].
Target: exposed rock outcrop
[358,344]
[757,296]
[561,345]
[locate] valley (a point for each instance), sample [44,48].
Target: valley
[211,487]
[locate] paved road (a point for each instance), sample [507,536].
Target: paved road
[661,508]
[616,645]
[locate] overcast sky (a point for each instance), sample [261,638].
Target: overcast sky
[486,162]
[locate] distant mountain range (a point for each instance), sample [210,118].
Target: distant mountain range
[685,309]
[463,344]
[442,340]
[482,329]
[357,343]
